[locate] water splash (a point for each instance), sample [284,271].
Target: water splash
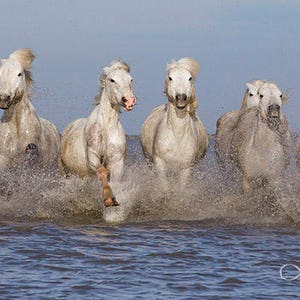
[211,196]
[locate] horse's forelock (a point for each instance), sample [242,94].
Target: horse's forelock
[24,57]
[116,65]
[186,63]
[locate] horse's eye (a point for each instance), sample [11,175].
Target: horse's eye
[250,94]
[261,96]
[170,78]
[190,79]
[111,80]
[20,74]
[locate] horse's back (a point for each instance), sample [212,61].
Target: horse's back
[149,129]
[72,148]
[224,133]
[50,140]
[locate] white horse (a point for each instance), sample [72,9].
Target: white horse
[97,145]
[172,136]
[261,141]
[227,123]
[21,129]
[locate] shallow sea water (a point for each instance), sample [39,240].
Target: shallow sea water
[206,242]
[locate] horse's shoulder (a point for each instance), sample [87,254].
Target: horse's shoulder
[159,109]
[227,118]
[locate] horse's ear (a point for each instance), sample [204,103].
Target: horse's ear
[24,57]
[285,97]
[250,86]
[2,61]
[170,65]
[106,70]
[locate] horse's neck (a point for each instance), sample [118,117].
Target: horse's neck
[18,111]
[106,114]
[179,120]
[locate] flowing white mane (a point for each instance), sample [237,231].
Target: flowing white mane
[185,63]
[25,57]
[115,65]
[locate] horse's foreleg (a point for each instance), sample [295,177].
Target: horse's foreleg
[109,198]
[184,176]
[161,168]
[116,170]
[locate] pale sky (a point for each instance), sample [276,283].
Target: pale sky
[233,41]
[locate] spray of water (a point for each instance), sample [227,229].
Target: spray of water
[32,192]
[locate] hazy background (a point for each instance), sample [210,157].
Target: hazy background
[234,42]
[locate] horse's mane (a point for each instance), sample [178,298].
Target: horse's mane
[25,57]
[192,66]
[115,65]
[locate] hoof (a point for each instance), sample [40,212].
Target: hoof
[111,202]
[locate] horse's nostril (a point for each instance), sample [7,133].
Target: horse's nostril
[181,97]
[274,107]
[123,100]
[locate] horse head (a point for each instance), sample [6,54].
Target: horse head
[251,97]
[15,77]
[179,84]
[271,101]
[118,84]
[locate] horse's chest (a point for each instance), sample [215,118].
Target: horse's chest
[14,139]
[107,143]
[115,144]
[263,154]
[179,148]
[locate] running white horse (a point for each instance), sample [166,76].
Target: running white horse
[227,123]
[172,136]
[21,129]
[261,141]
[97,145]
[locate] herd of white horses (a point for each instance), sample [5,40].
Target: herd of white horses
[255,138]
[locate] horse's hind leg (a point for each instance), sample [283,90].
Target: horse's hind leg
[109,199]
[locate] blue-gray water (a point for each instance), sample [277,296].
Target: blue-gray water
[160,260]
[208,242]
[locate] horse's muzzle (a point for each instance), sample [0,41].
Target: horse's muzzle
[181,101]
[5,101]
[274,111]
[128,103]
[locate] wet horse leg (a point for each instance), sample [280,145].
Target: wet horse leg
[109,198]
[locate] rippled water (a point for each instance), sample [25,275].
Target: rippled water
[207,242]
[165,260]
